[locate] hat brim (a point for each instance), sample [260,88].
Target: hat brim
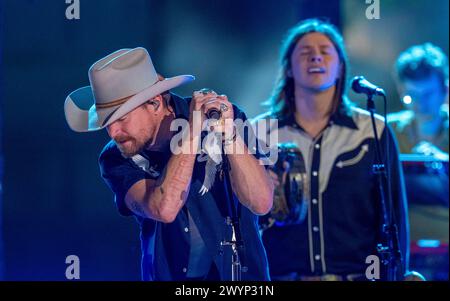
[82,118]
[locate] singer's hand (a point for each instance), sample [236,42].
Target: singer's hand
[205,100]
[225,123]
[199,98]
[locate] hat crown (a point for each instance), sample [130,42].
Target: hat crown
[121,74]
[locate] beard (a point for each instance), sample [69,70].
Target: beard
[131,146]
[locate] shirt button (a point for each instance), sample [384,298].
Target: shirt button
[315,229]
[314,173]
[184,270]
[186,229]
[317,257]
[317,146]
[314,201]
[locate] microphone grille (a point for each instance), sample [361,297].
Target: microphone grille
[356,84]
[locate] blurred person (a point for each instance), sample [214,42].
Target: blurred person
[422,82]
[421,74]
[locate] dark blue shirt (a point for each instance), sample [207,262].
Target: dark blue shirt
[166,246]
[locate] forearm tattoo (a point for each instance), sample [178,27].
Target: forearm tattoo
[181,178]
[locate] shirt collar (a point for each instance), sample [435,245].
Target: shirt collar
[340,117]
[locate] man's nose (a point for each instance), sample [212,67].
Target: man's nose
[316,58]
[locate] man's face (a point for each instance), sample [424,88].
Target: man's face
[133,131]
[315,62]
[425,95]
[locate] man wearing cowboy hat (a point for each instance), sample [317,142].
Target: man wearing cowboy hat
[182,222]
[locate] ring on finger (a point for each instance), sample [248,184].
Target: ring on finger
[223,107]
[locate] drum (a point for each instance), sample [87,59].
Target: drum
[289,203]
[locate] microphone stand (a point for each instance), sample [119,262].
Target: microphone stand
[232,221]
[390,251]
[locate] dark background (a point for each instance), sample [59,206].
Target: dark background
[54,202]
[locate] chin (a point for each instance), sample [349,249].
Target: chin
[128,151]
[322,86]
[317,85]
[317,88]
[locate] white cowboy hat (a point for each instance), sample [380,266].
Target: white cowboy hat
[120,82]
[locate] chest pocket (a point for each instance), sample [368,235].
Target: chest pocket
[349,162]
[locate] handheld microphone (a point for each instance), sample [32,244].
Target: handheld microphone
[362,85]
[214,113]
